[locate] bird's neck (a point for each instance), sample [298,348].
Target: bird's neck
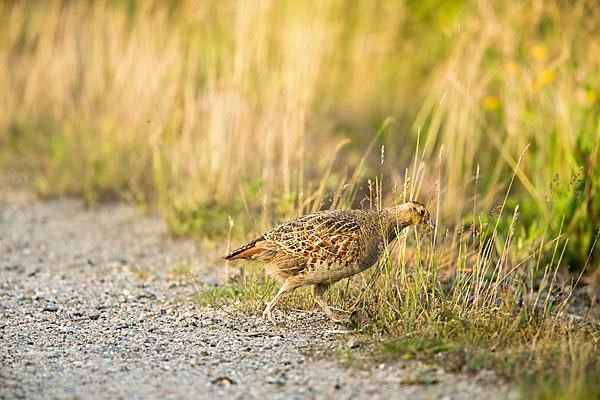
[395,219]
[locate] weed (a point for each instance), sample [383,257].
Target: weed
[140,272]
[181,272]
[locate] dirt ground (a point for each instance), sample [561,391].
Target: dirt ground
[88,310]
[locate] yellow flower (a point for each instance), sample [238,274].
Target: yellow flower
[492,103]
[546,76]
[534,86]
[539,52]
[513,68]
[590,95]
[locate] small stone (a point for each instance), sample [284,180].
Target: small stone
[353,343]
[223,380]
[51,308]
[94,316]
[275,380]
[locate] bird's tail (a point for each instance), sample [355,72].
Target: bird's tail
[246,251]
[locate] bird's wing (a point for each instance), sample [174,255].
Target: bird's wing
[312,239]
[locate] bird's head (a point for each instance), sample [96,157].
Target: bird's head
[403,215]
[419,213]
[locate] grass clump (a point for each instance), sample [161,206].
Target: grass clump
[141,272]
[249,292]
[491,307]
[469,301]
[250,296]
[517,324]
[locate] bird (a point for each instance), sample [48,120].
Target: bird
[324,247]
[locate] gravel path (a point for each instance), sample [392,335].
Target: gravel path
[78,321]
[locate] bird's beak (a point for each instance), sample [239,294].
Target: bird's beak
[430,223]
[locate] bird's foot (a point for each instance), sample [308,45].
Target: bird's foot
[268,313]
[331,315]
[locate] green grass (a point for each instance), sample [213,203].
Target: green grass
[140,272]
[180,272]
[250,296]
[230,117]
[249,293]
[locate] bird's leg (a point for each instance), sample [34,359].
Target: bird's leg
[318,291]
[268,313]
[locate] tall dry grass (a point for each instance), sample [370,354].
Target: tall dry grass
[190,104]
[266,108]
[518,75]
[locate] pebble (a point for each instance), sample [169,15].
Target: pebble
[152,340]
